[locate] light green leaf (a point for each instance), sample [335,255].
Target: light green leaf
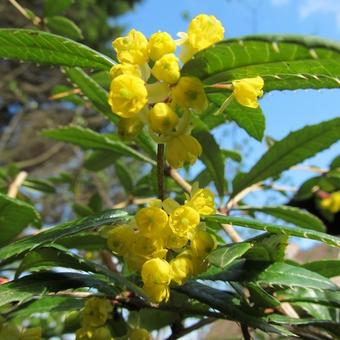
[276,229]
[54,7]
[286,62]
[299,217]
[224,255]
[293,149]
[89,139]
[64,26]
[48,48]
[15,216]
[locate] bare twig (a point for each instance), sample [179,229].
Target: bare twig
[232,202]
[309,168]
[179,180]
[160,170]
[132,200]
[17,183]
[232,233]
[245,332]
[107,260]
[35,20]
[192,328]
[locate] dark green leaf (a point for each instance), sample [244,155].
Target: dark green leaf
[47,48]
[99,160]
[212,158]
[261,297]
[54,7]
[225,255]
[39,185]
[84,241]
[15,216]
[232,154]
[276,229]
[55,233]
[299,217]
[327,268]
[89,139]
[335,163]
[295,148]
[125,176]
[63,26]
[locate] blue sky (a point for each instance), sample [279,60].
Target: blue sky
[285,111]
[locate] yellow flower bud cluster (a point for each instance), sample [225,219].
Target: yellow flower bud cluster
[166,242]
[147,88]
[94,316]
[332,203]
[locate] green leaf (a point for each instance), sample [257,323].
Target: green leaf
[267,247]
[99,160]
[15,216]
[295,148]
[91,90]
[232,154]
[335,163]
[39,185]
[125,176]
[84,241]
[54,7]
[47,48]
[212,158]
[276,229]
[89,139]
[48,304]
[327,268]
[35,285]
[64,26]
[285,62]
[67,229]
[261,297]
[225,255]
[251,120]
[299,217]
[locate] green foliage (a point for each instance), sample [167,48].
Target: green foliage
[63,26]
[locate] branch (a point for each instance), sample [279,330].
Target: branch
[179,179]
[35,20]
[17,183]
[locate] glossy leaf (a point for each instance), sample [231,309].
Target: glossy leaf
[276,229]
[47,48]
[89,139]
[299,217]
[293,149]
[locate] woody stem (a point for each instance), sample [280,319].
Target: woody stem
[160,170]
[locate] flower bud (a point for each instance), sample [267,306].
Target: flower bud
[132,49]
[161,43]
[247,90]
[202,243]
[183,221]
[203,202]
[129,128]
[119,69]
[120,239]
[162,118]
[331,203]
[96,312]
[157,293]
[139,334]
[181,268]
[167,69]
[151,220]
[156,272]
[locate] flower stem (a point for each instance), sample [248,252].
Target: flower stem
[160,170]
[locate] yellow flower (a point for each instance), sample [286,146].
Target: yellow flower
[172,240]
[247,90]
[128,95]
[101,333]
[120,239]
[151,220]
[181,268]
[189,94]
[203,202]
[119,69]
[167,69]
[204,31]
[132,49]
[181,150]
[129,127]
[156,272]
[139,334]
[332,203]
[33,333]
[96,312]
[202,243]
[161,43]
[183,221]
[162,118]
[157,293]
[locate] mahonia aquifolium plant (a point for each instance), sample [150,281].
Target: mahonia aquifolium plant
[147,87]
[166,242]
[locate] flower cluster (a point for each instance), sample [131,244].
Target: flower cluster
[332,203]
[93,318]
[147,87]
[10,331]
[166,242]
